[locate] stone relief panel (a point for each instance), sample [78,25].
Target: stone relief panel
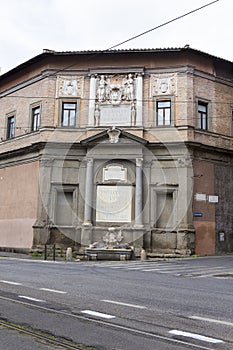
[70,86]
[115,89]
[163,84]
[113,236]
[115,99]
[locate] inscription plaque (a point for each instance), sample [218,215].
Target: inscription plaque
[115,172]
[115,115]
[114,203]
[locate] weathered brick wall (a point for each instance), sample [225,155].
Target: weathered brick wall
[220,99]
[223,209]
[184,107]
[205,224]
[19,102]
[204,90]
[193,81]
[224,108]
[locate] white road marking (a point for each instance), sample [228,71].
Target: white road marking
[97,314]
[32,299]
[11,282]
[118,267]
[214,273]
[135,268]
[53,290]
[196,336]
[109,324]
[124,304]
[163,268]
[148,270]
[176,268]
[225,323]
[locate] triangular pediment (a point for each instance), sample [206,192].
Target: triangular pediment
[113,136]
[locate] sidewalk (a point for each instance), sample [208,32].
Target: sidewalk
[25,256]
[15,255]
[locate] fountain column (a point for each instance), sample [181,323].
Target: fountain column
[88,193]
[138,193]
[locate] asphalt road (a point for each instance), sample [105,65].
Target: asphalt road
[161,305]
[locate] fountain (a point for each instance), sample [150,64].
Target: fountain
[111,248]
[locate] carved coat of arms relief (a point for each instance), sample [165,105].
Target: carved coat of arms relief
[70,86]
[115,89]
[163,84]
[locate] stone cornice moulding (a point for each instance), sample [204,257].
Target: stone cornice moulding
[116,70]
[170,70]
[22,85]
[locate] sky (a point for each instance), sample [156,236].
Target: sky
[28,27]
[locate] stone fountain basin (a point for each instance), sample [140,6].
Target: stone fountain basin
[109,253]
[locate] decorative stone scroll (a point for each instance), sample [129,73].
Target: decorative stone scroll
[163,84]
[70,86]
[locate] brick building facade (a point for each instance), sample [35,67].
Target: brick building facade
[136,144]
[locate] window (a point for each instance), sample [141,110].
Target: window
[35,118]
[163,112]
[10,127]
[202,117]
[68,117]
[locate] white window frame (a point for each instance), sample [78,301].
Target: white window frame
[167,98]
[77,112]
[204,102]
[7,130]
[32,108]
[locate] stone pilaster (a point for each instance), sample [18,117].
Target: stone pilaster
[139,100]
[138,193]
[92,96]
[88,193]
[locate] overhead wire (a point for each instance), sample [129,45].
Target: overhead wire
[136,36]
[162,25]
[132,38]
[113,47]
[149,123]
[140,100]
